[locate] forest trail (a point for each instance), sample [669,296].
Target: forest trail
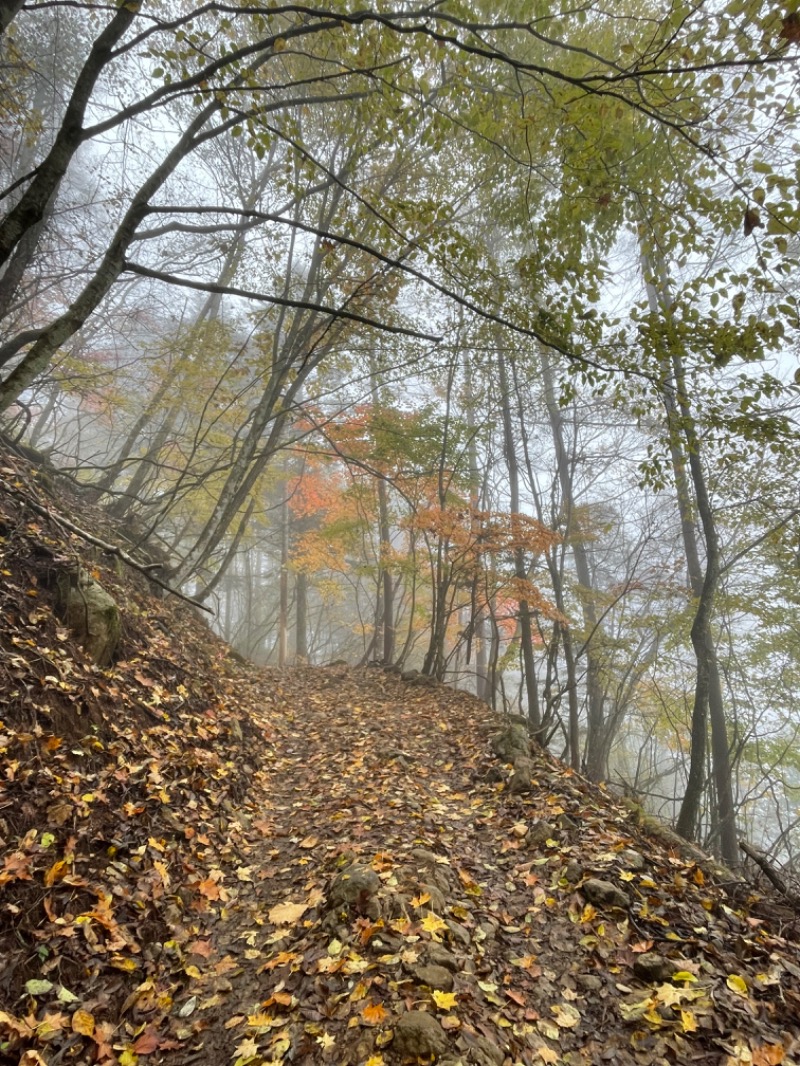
[479,914]
[207,863]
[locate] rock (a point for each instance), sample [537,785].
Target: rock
[418,1035]
[437,902]
[356,888]
[522,777]
[424,856]
[632,860]
[604,893]
[433,976]
[440,956]
[573,872]
[540,833]
[513,743]
[458,933]
[91,614]
[487,930]
[588,982]
[652,967]
[486,1053]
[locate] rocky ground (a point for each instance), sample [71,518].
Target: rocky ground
[206,863]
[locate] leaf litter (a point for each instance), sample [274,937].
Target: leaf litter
[203,862]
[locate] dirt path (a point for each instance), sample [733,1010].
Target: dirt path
[465,903]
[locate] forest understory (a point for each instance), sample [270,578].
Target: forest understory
[205,862]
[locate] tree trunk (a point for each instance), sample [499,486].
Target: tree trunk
[599,734]
[708,699]
[520,566]
[301,618]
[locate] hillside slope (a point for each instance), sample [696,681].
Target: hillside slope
[206,863]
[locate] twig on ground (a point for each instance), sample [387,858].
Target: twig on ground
[111,549]
[770,872]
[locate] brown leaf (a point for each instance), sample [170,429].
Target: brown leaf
[752,220]
[790,28]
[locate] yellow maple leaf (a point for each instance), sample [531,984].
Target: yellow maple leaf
[375,1060]
[444,1000]
[433,924]
[287,913]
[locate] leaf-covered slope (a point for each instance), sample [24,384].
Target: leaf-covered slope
[205,863]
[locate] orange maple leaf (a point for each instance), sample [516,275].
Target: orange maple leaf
[374,1014]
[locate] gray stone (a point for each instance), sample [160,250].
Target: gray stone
[418,1035]
[437,902]
[356,888]
[589,982]
[652,967]
[512,743]
[434,977]
[632,860]
[604,893]
[486,1053]
[458,933]
[91,614]
[522,777]
[440,956]
[574,872]
[539,833]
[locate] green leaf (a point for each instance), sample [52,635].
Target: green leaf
[36,987]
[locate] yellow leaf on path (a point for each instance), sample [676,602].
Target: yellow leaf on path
[83,1023]
[688,1022]
[737,984]
[444,1000]
[260,1020]
[375,1060]
[433,924]
[421,900]
[566,1016]
[309,842]
[287,913]
[547,1054]
[56,872]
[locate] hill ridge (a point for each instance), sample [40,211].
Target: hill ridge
[203,862]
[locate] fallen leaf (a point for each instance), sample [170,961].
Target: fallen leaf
[737,984]
[83,1023]
[374,1014]
[287,913]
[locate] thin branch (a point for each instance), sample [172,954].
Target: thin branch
[770,872]
[111,549]
[303,305]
